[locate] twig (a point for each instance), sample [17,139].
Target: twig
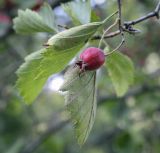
[120,15]
[110,35]
[155,13]
[127,26]
[120,25]
[121,43]
[120,29]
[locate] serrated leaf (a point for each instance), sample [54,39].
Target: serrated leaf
[62,47]
[45,62]
[121,72]
[28,21]
[54,61]
[80,99]
[29,87]
[79,11]
[65,45]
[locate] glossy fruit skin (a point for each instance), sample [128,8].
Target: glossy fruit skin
[91,59]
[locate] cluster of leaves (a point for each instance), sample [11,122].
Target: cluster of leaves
[61,48]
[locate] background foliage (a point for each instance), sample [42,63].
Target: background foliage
[127,124]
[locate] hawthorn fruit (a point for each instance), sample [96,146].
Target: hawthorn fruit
[91,59]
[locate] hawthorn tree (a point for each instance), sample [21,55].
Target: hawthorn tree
[85,41]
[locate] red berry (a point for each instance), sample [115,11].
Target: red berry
[92,59]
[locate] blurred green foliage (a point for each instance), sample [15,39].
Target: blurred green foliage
[123,125]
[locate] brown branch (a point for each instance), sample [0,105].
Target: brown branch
[155,13]
[120,15]
[127,26]
[120,23]
[110,35]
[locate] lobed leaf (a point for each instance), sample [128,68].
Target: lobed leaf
[29,87]
[80,100]
[28,21]
[38,66]
[55,61]
[64,46]
[121,72]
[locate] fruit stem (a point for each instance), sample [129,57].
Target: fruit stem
[121,43]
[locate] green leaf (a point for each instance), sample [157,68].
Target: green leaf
[73,36]
[28,22]
[80,99]
[62,47]
[55,61]
[65,45]
[79,11]
[28,86]
[44,62]
[121,72]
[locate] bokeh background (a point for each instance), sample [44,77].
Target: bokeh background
[130,124]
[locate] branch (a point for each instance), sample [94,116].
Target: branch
[120,15]
[155,13]
[127,26]
[120,24]
[110,35]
